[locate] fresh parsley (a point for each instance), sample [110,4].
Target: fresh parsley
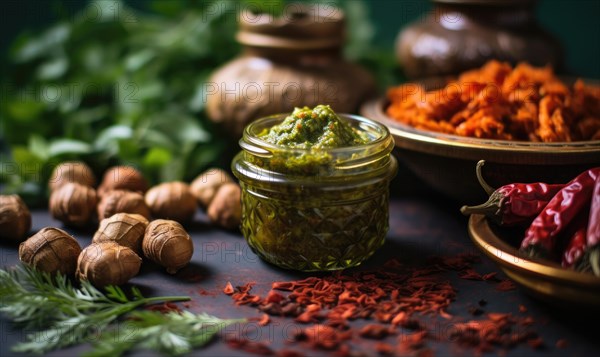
[66,315]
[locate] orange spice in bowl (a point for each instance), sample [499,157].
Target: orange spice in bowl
[498,101]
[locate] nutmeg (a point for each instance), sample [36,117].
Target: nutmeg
[205,186]
[120,201]
[172,200]
[71,171]
[168,244]
[107,263]
[123,178]
[225,209]
[15,219]
[51,250]
[73,204]
[124,229]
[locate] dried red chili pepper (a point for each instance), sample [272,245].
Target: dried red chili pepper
[576,241]
[593,230]
[541,237]
[513,204]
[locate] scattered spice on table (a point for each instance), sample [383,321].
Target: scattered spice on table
[255,347]
[397,302]
[562,343]
[506,285]
[164,308]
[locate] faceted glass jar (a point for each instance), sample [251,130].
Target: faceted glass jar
[315,210]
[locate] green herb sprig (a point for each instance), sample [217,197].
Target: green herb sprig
[67,315]
[172,333]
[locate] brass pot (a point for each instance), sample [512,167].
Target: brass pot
[462,34]
[289,61]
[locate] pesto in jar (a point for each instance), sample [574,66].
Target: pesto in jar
[317,128]
[314,132]
[315,188]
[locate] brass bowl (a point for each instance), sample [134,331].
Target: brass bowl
[447,162]
[543,279]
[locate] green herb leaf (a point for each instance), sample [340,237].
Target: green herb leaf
[68,315]
[172,333]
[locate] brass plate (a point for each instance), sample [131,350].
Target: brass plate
[544,279]
[468,148]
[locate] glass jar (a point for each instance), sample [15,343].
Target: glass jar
[315,210]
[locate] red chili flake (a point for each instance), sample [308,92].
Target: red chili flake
[164,308]
[400,319]
[393,264]
[395,295]
[324,337]
[375,331]
[522,309]
[228,289]
[562,343]
[289,353]
[246,287]
[204,292]
[384,348]
[264,320]
[283,285]
[505,285]
[445,315]
[255,347]
[274,297]
[306,317]
[490,276]
[411,342]
[470,274]
[536,343]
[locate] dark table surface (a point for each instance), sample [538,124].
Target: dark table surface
[420,227]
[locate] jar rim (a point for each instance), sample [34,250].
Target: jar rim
[264,148]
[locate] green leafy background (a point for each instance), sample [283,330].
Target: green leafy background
[108,83]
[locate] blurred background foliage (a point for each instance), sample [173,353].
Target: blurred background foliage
[111,81]
[114,84]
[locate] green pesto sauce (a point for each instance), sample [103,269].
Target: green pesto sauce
[317,128]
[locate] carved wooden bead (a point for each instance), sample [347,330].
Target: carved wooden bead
[51,250]
[73,204]
[71,171]
[120,201]
[205,186]
[123,178]
[172,200]
[15,218]
[107,263]
[124,229]
[168,244]
[225,209]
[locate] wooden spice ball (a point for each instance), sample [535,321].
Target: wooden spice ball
[168,244]
[15,218]
[71,171]
[51,250]
[124,229]
[73,204]
[225,209]
[172,200]
[123,178]
[120,201]
[107,263]
[205,186]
